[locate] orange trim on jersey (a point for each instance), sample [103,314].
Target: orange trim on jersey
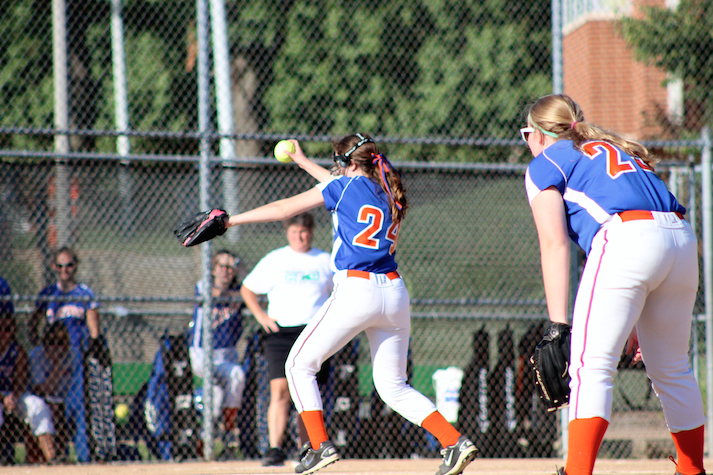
[362,274]
[636,214]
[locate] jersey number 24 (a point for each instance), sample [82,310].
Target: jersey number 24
[615,165]
[373,217]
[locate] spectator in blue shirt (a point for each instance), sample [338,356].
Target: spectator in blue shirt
[72,303]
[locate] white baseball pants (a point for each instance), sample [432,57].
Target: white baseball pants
[229,382]
[641,273]
[33,410]
[378,306]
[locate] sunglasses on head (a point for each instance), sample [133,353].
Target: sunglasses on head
[525,132]
[68,265]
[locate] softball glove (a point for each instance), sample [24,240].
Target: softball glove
[201,227]
[551,366]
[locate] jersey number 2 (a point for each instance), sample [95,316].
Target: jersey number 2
[374,218]
[615,165]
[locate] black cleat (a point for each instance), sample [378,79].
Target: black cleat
[312,460]
[456,457]
[274,457]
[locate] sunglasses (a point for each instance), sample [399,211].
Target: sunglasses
[525,132]
[68,265]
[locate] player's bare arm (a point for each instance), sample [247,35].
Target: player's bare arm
[320,173]
[548,212]
[93,322]
[251,301]
[632,346]
[279,210]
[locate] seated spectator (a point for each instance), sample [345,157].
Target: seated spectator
[51,366]
[227,327]
[17,404]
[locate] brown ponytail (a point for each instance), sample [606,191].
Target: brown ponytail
[372,162]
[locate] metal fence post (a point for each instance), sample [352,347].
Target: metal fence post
[224,105]
[693,219]
[558,88]
[121,112]
[204,125]
[61,122]
[707,211]
[557,68]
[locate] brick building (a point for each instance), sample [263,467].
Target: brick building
[602,75]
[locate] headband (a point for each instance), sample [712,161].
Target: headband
[546,132]
[362,141]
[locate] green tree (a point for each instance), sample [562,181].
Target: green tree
[162,87]
[437,70]
[680,41]
[421,69]
[26,95]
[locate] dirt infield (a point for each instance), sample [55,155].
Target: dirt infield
[352,467]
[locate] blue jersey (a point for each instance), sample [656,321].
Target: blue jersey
[41,366]
[597,183]
[227,322]
[8,362]
[72,313]
[364,234]
[6,306]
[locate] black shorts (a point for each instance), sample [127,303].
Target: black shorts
[278,345]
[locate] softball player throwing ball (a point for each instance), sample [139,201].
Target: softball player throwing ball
[639,283]
[367,202]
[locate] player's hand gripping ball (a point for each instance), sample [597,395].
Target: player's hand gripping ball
[281,147]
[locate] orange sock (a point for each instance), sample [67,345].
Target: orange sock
[441,429]
[585,437]
[689,448]
[230,416]
[314,423]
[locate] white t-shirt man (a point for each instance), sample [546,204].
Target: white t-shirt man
[296,284]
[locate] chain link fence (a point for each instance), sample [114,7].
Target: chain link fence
[101,142]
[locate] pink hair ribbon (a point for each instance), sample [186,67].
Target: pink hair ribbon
[383,163]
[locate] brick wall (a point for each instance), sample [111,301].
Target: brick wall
[614,90]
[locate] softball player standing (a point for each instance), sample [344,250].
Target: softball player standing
[367,201]
[639,283]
